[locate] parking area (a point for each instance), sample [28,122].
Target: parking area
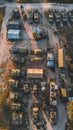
[34,51]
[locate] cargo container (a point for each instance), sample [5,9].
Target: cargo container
[35,73]
[61,58]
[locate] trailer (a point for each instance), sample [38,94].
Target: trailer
[61,58]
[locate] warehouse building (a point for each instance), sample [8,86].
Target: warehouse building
[35,73]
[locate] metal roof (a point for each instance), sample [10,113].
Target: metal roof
[13,34]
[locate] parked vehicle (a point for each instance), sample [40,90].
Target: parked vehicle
[17,73]
[43,87]
[30,16]
[23,12]
[36,59]
[13,83]
[13,25]
[35,89]
[18,50]
[50,16]
[50,60]
[53,116]
[15,95]
[16,14]
[26,88]
[37,52]
[62,74]
[57,15]
[63,94]
[35,114]
[26,123]
[64,16]
[17,118]
[70,16]
[36,16]
[41,125]
[19,60]
[16,106]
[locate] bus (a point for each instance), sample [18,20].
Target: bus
[63,94]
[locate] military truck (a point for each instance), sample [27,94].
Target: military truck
[30,16]
[17,118]
[70,16]
[35,113]
[17,73]
[19,60]
[15,95]
[36,16]
[37,52]
[53,116]
[16,14]
[13,83]
[36,59]
[57,15]
[50,16]
[18,50]
[35,89]
[64,17]
[16,106]
[26,88]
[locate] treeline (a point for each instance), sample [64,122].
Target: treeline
[61,1]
